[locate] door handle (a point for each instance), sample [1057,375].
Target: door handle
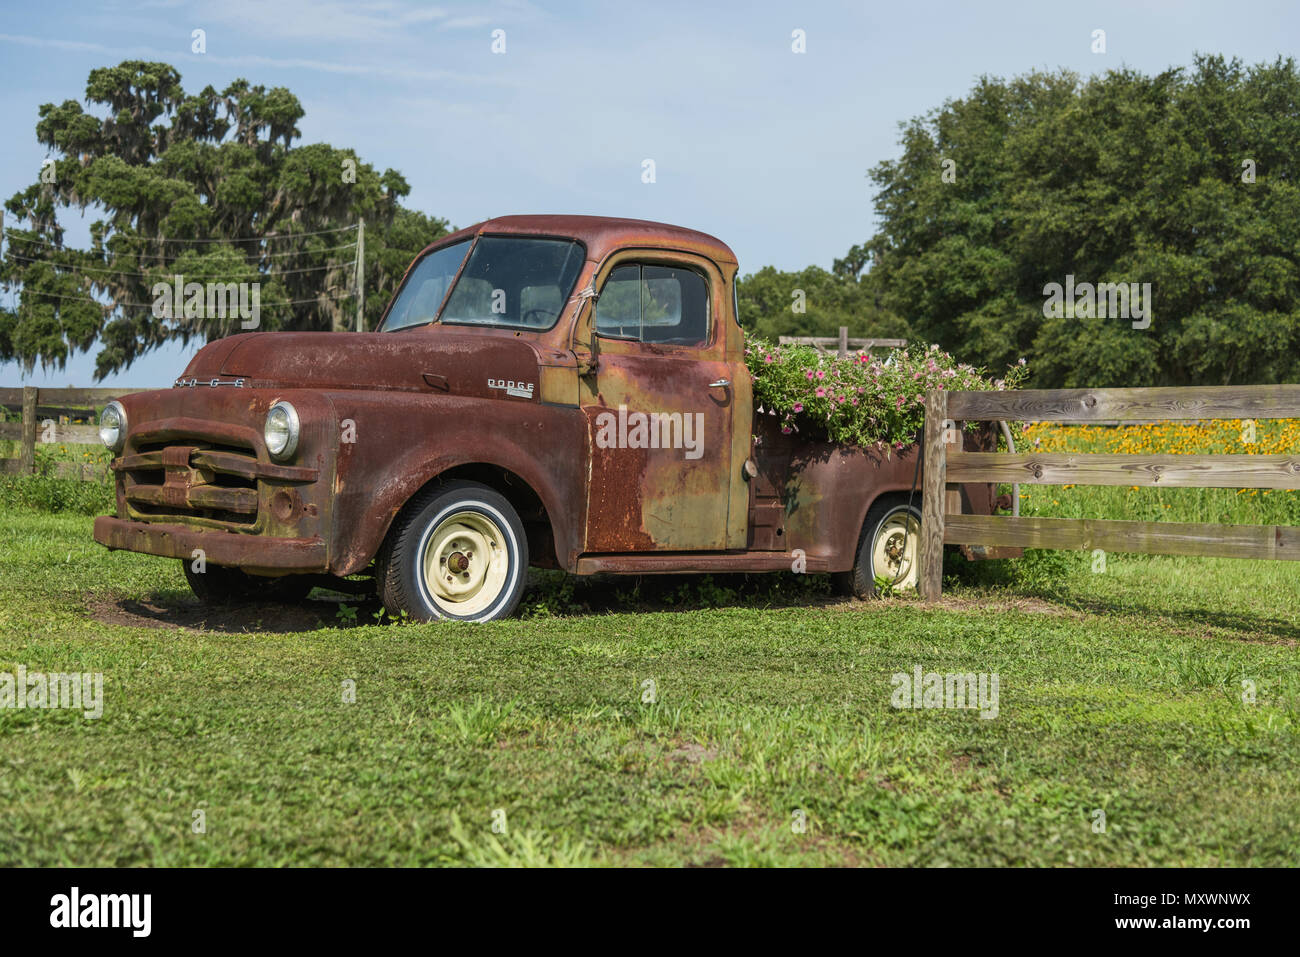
[720,384]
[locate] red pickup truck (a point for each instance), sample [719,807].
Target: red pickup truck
[560,391]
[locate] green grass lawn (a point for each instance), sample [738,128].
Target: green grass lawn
[1119,692]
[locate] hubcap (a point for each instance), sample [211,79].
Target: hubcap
[466,563]
[893,553]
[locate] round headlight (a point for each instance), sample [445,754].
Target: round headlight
[112,426]
[281,431]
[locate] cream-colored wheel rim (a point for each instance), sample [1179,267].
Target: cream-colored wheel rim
[894,552]
[466,564]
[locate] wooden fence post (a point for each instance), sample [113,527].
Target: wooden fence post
[27,455]
[933,500]
[844,342]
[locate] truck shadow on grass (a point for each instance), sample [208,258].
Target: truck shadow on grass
[1034,587]
[178,609]
[548,594]
[553,595]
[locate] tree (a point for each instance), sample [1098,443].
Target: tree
[812,302]
[1186,180]
[209,187]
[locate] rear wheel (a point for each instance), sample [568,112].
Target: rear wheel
[218,585]
[457,551]
[889,547]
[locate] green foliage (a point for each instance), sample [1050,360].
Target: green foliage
[49,494]
[190,185]
[813,302]
[860,400]
[1123,178]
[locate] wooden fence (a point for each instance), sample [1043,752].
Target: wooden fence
[945,411]
[47,416]
[842,344]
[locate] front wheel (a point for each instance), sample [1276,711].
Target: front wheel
[457,551]
[889,548]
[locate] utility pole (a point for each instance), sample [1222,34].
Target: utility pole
[361,276]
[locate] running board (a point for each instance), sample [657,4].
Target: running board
[675,563]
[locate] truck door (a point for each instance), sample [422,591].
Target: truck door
[659,407]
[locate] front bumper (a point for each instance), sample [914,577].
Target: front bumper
[253,553]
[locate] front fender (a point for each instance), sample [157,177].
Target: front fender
[394,443]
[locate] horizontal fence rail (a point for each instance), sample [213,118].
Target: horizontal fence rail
[45,414]
[1088,406]
[841,344]
[945,410]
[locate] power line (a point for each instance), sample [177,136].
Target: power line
[86,270]
[254,239]
[170,259]
[149,305]
[246,239]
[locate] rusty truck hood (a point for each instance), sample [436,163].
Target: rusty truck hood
[463,362]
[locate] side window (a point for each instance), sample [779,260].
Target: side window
[674,306]
[661,304]
[618,310]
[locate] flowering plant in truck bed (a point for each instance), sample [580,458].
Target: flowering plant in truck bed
[861,400]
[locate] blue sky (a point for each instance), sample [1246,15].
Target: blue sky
[763,147]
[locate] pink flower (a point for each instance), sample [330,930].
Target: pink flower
[767,358]
[809,373]
[820,392]
[785,430]
[821,374]
[798,406]
[900,402]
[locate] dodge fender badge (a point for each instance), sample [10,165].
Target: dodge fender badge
[522,390]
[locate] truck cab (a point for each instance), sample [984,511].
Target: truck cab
[560,391]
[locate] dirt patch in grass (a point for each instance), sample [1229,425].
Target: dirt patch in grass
[1034,606]
[276,617]
[693,753]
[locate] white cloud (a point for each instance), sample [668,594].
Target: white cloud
[334,21]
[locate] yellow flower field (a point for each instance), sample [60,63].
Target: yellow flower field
[1221,437]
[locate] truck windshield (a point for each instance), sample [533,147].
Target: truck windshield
[514,282]
[509,281]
